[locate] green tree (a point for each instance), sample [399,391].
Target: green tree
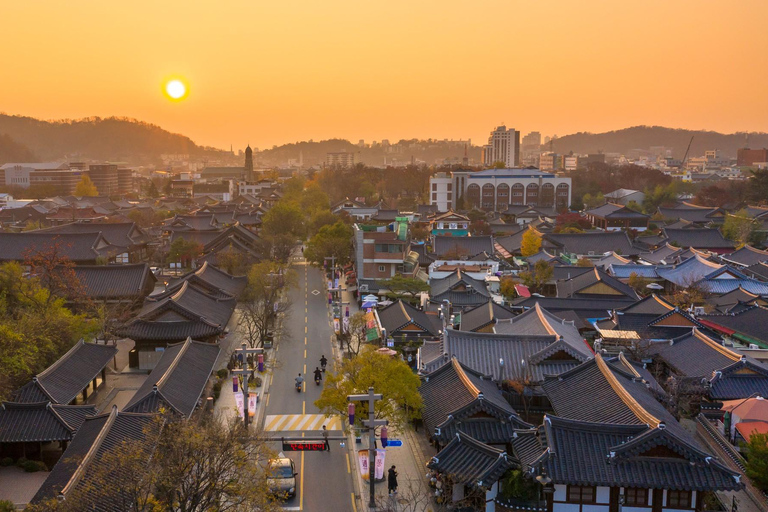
[86,188]
[739,227]
[531,243]
[538,276]
[757,190]
[152,191]
[313,199]
[757,460]
[584,262]
[406,288]
[184,251]
[334,240]
[320,218]
[390,376]
[593,201]
[638,283]
[507,287]
[285,217]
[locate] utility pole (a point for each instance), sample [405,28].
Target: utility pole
[371,423]
[244,351]
[335,293]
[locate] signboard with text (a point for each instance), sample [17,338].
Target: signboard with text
[303,446]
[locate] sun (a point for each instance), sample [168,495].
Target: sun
[175,89]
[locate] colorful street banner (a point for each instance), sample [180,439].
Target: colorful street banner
[251,404]
[239,402]
[378,472]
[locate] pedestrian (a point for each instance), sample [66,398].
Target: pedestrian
[325,438]
[392,480]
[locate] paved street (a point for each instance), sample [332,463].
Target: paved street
[324,481]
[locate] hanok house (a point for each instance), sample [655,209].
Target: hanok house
[736,300]
[610,439]
[39,430]
[588,245]
[612,217]
[211,280]
[123,236]
[483,318]
[700,215]
[178,381]
[593,285]
[460,290]
[710,239]
[749,326]
[446,247]
[116,284]
[175,316]
[68,380]
[404,322]
[85,466]
[235,243]
[746,256]
[449,223]
[80,248]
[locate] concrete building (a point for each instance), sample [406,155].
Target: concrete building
[381,253]
[497,189]
[549,161]
[341,159]
[503,146]
[104,177]
[18,174]
[124,181]
[65,180]
[531,148]
[748,157]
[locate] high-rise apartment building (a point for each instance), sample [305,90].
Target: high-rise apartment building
[503,146]
[342,159]
[104,177]
[531,147]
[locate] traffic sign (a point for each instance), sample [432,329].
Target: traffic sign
[394,442]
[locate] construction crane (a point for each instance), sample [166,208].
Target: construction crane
[682,164]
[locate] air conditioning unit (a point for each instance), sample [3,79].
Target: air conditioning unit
[699,311]
[753,346]
[363,287]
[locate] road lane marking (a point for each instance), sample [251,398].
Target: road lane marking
[305,369]
[304,407]
[354,507]
[305,340]
[349,470]
[305,319]
[301,483]
[298,422]
[305,330]
[305,384]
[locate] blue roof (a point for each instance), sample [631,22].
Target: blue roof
[625,271]
[721,286]
[511,173]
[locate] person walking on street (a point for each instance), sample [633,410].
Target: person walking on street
[392,480]
[325,438]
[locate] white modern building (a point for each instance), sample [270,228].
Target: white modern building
[503,146]
[18,174]
[497,189]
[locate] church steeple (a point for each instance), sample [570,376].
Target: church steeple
[248,163]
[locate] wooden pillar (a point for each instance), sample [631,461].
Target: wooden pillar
[85,394]
[94,383]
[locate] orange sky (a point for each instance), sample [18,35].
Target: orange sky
[269,72]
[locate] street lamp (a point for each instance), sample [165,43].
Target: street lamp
[371,423]
[545,482]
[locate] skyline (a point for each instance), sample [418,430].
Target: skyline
[275,74]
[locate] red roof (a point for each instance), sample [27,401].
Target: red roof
[522,290]
[747,428]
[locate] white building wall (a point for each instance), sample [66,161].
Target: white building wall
[438,193]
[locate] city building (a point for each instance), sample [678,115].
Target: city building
[531,147]
[104,177]
[503,146]
[124,181]
[341,159]
[550,161]
[64,180]
[18,174]
[497,189]
[747,157]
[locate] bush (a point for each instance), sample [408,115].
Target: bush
[20,462]
[32,466]
[222,374]
[7,461]
[216,390]
[257,382]
[7,506]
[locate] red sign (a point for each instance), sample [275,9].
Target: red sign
[303,446]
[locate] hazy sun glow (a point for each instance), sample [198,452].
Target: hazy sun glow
[176,89]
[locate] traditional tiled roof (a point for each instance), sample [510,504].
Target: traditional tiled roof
[79,247]
[688,272]
[191,235]
[647,326]
[650,305]
[752,322]
[466,246]
[615,211]
[578,286]
[61,382]
[593,243]
[103,282]
[119,234]
[543,255]
[666,254]
[401,314]
[692,213]
[193,222]
[742,379]
[586,309]
[738,295]
[41,421]
[509,245]
[705,238]
[178,380]
[483,315]
[459,289]
[83,459]
[609,259]
[467,461]
[628,456]
[625,271]
[694,354]
[746,256]
[758,271]
[211,279]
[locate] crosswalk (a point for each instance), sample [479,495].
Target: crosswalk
[292,422]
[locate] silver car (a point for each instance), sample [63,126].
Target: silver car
[282,478]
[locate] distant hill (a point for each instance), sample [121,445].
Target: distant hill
[12,151]
[115,139]
[643,137]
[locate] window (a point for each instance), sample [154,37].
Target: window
[450,187]
[679,499]
[434,187]
[581,494]
[434,196]
[381,268]
[634,496]
[450,196]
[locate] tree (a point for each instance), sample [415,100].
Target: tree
[531,243]
[507,287]
[178,466]
[152,191]
[713,195]
[757,190]
[313,200]
[263,300]
[584,262]
[86,188]
[354,336]
[231,260]
[571,220]
[285,217]
[33,225]
[537,277]
[184,251]
[331,241]
[321,218]
[638,283]
[593,201]
[406,288]
[739,227]
[390,376]
[757,460]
